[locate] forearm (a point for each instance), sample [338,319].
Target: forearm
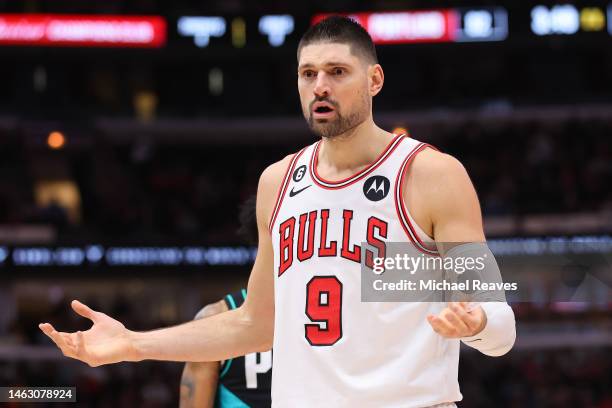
[216,338]
[199,385]
[499,334]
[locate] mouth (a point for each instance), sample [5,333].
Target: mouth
[322,110]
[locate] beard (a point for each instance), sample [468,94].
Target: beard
[330,128]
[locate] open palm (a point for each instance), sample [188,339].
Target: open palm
[106,342]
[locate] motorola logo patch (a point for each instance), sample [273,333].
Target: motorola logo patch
[376,188]
[299,173]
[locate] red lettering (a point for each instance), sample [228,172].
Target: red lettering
[375,224]
[286,229]
[301,253]
[325,250]
[355,253]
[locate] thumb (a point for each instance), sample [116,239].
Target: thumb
[83,310]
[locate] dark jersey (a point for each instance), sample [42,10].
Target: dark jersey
[244,381]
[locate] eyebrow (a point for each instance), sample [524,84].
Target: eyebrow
[327,64]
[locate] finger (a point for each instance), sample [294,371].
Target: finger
[57,337]
[440,326]
[447,327]
[50,331]
[84,310]
[468,319]
[453,318]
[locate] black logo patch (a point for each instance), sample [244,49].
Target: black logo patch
[376,188]
[293,192]
[299,173]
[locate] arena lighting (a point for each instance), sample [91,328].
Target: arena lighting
[431,26]
[56,140]
[201,28]
[150,256]
[238,32]
[400,130]
[127,256]
[559,19]
[592,19]
[82,30]
[276,27]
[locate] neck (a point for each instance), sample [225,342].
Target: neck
[354,149]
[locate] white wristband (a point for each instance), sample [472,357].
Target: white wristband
[499,334]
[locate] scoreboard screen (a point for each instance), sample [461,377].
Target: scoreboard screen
[448,25]
[278,31]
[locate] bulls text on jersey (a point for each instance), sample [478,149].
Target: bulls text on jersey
[304,247]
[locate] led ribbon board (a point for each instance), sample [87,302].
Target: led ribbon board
[82,30]
[432,26]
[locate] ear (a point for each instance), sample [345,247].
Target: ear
[376,79]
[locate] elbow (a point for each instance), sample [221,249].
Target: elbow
[266,344]
[267,337]
[261,328]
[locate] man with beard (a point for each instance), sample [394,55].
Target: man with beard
[358,183]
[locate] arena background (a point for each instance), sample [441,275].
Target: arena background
[132,130]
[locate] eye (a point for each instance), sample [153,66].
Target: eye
[308,73]
[338,71]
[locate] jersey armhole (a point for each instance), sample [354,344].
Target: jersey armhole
[283,188]
[406,221]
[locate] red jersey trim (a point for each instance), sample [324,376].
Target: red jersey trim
[284,186]
[332,185]
[400,207]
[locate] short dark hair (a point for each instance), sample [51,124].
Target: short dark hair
[339,29]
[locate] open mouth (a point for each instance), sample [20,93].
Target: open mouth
[322,110]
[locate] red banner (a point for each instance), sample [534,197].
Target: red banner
[403,27]
[82,30]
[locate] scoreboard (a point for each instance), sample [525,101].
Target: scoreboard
[278,31]
[446,25]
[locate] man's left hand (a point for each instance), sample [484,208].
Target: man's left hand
[458,320]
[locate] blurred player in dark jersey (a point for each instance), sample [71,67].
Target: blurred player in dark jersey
[235,383]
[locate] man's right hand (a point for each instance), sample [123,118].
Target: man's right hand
[237,332]
[106,342]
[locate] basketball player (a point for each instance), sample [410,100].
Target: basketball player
[314,209]
[240,382]
[235,383]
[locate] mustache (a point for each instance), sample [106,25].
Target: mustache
[324,99]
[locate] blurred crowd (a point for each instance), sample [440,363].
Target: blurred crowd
[523,379]
[563,376]
[194,191]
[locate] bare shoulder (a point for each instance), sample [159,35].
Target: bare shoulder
[211,310]
[434,165]
[439,175]
[445,197]
[273,175]
[269,184]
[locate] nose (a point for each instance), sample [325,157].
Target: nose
[321,87]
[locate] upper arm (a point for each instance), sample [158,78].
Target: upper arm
[259,304]
[446,198]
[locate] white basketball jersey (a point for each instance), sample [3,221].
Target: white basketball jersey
[330,348]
